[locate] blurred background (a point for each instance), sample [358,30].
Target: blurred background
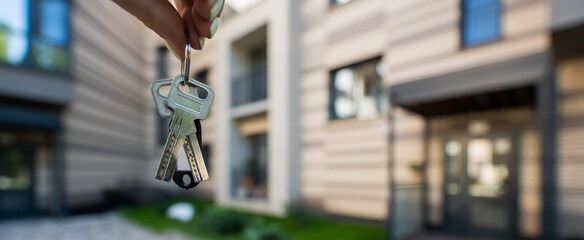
[333,119]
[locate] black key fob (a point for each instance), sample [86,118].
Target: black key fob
[179,175]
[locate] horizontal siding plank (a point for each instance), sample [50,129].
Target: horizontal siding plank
[314,119]
[372,43]
[496,52]
[117,23]
[315,99]
[317,80]
[536,13]
[371,209]
[362,157]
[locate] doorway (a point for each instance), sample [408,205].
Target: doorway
[16,180]
[480,186]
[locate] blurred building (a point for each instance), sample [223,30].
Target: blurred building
[75,106]
[485,119]
[253,130]
[464,117]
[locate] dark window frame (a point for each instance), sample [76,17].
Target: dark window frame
[202,76]
[33,17]
[206,152]
[463,24]
[332,116]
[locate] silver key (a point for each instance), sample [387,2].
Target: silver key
[186,109]
[160,100]
[164,111]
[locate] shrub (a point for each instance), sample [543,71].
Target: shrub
[222,221]
[300,215]
[258,230]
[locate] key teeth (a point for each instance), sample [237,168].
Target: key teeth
[197,165]
[168,160]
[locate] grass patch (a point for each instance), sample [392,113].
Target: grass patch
[153,217]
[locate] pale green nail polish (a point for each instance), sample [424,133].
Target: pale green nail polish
[202,42]
[215,9]
[214,26]
[172,50]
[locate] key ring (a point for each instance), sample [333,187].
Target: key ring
[185,65]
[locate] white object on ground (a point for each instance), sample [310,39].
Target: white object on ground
[182,211]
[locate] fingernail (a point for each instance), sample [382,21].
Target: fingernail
[202,42]
[172,50]
[215,9]
[214,26]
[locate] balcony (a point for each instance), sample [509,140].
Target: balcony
[249,84]
[249,89]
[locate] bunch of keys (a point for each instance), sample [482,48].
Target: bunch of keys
[185,110]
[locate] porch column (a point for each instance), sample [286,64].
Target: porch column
[547,120]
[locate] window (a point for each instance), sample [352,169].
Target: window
[481,21]
[251,176]
[206,157]
[35,33]
[487,170]
[201,76]
[162,62]
[251,85]
[357,91]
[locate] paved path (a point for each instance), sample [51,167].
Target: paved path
[107,226]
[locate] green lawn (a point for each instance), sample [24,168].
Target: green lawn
[153,217]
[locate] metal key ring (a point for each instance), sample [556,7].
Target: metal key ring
[185,65]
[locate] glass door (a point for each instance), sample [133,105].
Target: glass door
[16,181]
[480,185]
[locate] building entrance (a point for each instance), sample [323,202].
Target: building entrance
[480,186]
[16,180]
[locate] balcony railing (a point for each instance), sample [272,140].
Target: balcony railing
[248,89]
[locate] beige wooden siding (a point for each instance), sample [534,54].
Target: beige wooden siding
[530,181]
[425,37]
[570,146]
[435,178]
[521,121]
[408,155]
[345,167]
[105,126]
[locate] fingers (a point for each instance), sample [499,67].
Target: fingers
[204,27]
[182,4]
[197,26]
[209,9]
[200,18]
[196,40]
[161,17]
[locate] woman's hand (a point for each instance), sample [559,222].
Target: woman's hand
[199,18]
